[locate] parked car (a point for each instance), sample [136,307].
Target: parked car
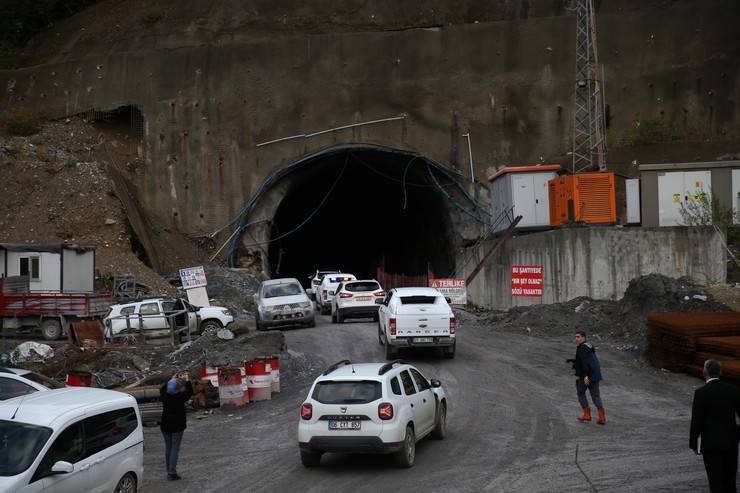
[356,299]
[282,302]
[154,313]
[316,281]
[71,440]
[17,381]
[371,408]
[416,318]
[328,285]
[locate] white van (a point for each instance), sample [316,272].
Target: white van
[71,440]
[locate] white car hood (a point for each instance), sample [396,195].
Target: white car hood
[285,300]
[12,483]
[216,310]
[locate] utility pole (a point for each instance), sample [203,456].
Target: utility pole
[588,131]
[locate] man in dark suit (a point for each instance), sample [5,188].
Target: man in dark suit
[714,429]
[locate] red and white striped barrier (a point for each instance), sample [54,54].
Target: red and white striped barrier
[275,371]
[230,390]
[209,373]
[259,380]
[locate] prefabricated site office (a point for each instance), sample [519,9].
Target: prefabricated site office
[51,267]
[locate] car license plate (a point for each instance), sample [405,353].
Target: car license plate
[363,298]
[423,339]
[344,425]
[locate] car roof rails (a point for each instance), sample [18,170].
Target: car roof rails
[333,367]
[387,367]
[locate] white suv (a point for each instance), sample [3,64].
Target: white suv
[316,281]
[325,294]
[356,299]
[371,408]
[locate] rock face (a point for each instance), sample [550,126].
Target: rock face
[212,80]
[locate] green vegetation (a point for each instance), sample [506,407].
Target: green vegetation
[648,131]
[19,120]
[152,13]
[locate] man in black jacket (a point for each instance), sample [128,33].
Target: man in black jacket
[174,394]
[714,429]
[588,376]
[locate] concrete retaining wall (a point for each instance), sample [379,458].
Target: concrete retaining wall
[597,262]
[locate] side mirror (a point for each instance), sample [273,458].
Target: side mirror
[448,300]
[436,383]
[378,301]
[256,297]
[62,467]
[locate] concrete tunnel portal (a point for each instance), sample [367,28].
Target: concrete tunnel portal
[359,210]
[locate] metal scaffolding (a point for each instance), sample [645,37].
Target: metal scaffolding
[588,125]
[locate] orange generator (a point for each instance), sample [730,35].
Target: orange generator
[586,198]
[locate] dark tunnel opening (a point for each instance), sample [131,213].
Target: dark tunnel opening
[362,209]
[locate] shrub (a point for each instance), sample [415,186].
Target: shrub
[152,13]
[19,120]
[648,131]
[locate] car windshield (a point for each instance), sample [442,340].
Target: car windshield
[352,392]
[43,380]
[358,287]
[276,290]
[418,300]
[20,443]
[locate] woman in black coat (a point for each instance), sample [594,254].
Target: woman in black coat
[174,394]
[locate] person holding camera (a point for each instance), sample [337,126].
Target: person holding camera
[174,394]
[588,376]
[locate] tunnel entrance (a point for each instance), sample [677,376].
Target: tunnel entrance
[358,210]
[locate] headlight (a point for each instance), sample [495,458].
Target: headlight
[269,309]
[226,312]
[306,304]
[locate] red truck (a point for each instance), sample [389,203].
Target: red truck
[50,312]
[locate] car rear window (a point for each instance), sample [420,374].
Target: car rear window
[361,287]
[347,392]
[418,300]
[282,290]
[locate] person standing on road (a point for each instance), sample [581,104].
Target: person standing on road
[174,394]
[714,429]
[588,376]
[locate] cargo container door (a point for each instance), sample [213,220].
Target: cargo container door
[541,200]
[523,199]
[670,195]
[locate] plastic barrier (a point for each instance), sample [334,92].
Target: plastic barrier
[259,380]
[275,367]
[230,391]
[209,373]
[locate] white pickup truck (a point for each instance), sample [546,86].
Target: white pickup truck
[415,318]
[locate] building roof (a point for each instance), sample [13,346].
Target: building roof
[47,248]
[525,169]
[683,166]
[43,408]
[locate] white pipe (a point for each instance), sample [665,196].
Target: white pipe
[470,153]
[343,127]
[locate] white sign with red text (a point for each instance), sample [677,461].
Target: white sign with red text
[454,289]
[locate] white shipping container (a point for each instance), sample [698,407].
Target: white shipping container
[522,190]
[677,189]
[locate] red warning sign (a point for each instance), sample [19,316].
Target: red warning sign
[526,280]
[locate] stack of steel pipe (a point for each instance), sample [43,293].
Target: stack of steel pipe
[673,339]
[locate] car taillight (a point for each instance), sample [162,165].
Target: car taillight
[379,294]
[306,411]
[345,294]
[325,295]
[392,326]
[385,410]
[453,325]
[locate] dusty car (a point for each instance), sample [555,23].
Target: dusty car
[282,302]
[17,381]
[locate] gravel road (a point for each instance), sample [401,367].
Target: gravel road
[512,425]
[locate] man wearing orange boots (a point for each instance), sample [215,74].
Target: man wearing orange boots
[588,376]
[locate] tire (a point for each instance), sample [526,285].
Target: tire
[380,335]
[258,325]
[127,484]
[390,352]
[340,317]
[449,352]
[311,324]
[440,428]
[375,318]
[210,324]
[325,310]
[406,456]
[334,317]
[310,459]
[51,329]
